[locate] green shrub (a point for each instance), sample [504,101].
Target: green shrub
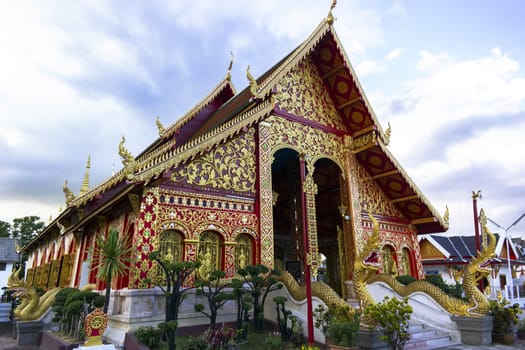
[343,333]
[455,290]
[195,343]
[148,336]
[391,316]
[505,315]
[406,279]
[273,341]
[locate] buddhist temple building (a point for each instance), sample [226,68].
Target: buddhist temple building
[283,173]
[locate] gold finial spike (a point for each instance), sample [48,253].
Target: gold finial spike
[68,194]
[126,156]
[160,127]
[253,83]
[228,74]
[330,17]
[476,194]
[85,184]
[388,132]
[50,217]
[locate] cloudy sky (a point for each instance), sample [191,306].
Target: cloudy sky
[447,75]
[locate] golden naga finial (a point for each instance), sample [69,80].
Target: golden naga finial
[446,216]
[330,17]
[253,83]
[160,127]
[61,228]
[68,194]
[388,132]
[85,184]
[126,155]
[230,66]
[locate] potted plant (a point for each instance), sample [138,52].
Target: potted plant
[521,329]
[391,317]
[505,320]
[339,324]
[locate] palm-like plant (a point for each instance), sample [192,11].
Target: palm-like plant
[112,254]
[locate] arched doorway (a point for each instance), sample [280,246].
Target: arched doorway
[327,177]
[287,219]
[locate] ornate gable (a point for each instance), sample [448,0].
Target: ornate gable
[302,93]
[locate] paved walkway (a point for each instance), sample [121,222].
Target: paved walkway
[7,342]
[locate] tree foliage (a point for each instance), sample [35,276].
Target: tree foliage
[258,281]
[26,228]
[5,229]
[177,273]
[214,291]
[111,258]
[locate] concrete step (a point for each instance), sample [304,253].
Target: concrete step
[424,338]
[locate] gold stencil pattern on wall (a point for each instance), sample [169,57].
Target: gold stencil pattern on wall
[229,166]
[303,93]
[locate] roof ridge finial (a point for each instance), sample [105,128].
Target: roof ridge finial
[160,127]
[330,17]
[253,83]
[85,184]
[228,74]
[68,194]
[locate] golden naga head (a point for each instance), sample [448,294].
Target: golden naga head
[370,253]
[481,263]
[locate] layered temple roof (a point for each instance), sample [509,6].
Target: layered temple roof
[223,113]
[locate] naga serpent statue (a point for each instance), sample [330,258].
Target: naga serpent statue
[477,303]
[34,306]
[319,289]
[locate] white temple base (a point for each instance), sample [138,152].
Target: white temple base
[97,347]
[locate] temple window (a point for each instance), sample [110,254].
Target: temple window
[406,261]
[208,253]
[243,252]
[389,261]
[170,249]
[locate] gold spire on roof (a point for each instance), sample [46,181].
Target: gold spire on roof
[253,83]
[330,17]
[160,127]
[68,193]
[85,184]
[228,74]
[126,155]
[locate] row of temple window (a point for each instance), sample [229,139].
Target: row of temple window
[210,251]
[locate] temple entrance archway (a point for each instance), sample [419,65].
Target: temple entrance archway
[327,177]
[287,219]
[289,254]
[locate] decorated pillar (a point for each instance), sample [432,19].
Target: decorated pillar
[145,240]
[308,187]
[265,196]
[354,226]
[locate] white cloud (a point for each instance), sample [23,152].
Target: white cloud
[431,61]
[366,67]
[458,128]
[392,55]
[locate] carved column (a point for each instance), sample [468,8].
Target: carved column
[310,190]
[353,228]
